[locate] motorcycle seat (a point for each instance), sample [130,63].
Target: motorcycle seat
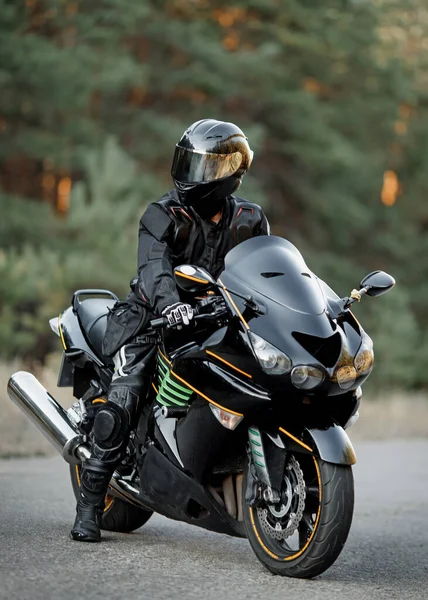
[92,314]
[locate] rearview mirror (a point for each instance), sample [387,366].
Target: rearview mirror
[193,279]
[377,283]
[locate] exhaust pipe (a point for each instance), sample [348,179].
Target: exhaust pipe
[48,416]
[55,424]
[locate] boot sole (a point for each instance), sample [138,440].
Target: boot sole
[79,537]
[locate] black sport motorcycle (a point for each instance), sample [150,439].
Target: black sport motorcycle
[243,429]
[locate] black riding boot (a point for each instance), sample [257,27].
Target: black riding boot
[110,434]
[94,482]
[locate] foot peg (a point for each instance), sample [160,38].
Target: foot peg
[172,412]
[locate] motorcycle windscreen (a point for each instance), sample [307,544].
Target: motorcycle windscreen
[275,269]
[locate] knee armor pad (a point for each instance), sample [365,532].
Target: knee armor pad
[111,426]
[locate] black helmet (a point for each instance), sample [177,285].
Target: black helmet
[209,162]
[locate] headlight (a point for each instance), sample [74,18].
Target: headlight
[272,360]
[306,378]
[364,358]
[346,377]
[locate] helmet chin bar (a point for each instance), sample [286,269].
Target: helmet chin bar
[207,199]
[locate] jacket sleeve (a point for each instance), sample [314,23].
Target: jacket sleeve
[264,227]
[155,274]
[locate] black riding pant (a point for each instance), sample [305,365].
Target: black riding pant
[134,364]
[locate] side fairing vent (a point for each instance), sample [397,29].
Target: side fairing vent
[171,392]
[325,350]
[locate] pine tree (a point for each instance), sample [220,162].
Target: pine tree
[331,95]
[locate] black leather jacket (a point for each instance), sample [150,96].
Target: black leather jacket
[171,235]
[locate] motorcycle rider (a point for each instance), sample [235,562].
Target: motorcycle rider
[196,223]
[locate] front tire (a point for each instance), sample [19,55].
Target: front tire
[118,515]
[326,506]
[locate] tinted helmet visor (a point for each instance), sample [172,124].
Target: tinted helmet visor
[191,166]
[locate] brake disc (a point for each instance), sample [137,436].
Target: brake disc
[282,521]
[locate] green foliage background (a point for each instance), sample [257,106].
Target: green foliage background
[331,95]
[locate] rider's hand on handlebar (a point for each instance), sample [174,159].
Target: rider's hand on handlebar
[178,313]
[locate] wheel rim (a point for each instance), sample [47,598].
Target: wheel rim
[286,530]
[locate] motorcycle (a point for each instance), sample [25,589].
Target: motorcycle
[243,431]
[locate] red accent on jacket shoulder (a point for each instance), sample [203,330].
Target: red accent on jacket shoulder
[185,213]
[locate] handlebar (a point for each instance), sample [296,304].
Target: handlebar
[158,323]
[162,322]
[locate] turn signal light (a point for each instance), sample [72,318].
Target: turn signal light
[227,419]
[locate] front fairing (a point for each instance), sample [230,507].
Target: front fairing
[292,302]
[275,269]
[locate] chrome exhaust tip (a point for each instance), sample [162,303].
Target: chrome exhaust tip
[48,416]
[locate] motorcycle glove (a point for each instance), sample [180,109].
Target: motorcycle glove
[178,313]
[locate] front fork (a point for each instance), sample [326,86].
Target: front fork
[268,454]
[266,468]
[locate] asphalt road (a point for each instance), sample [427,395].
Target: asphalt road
[386,556]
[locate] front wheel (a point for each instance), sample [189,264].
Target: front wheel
[304,534]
